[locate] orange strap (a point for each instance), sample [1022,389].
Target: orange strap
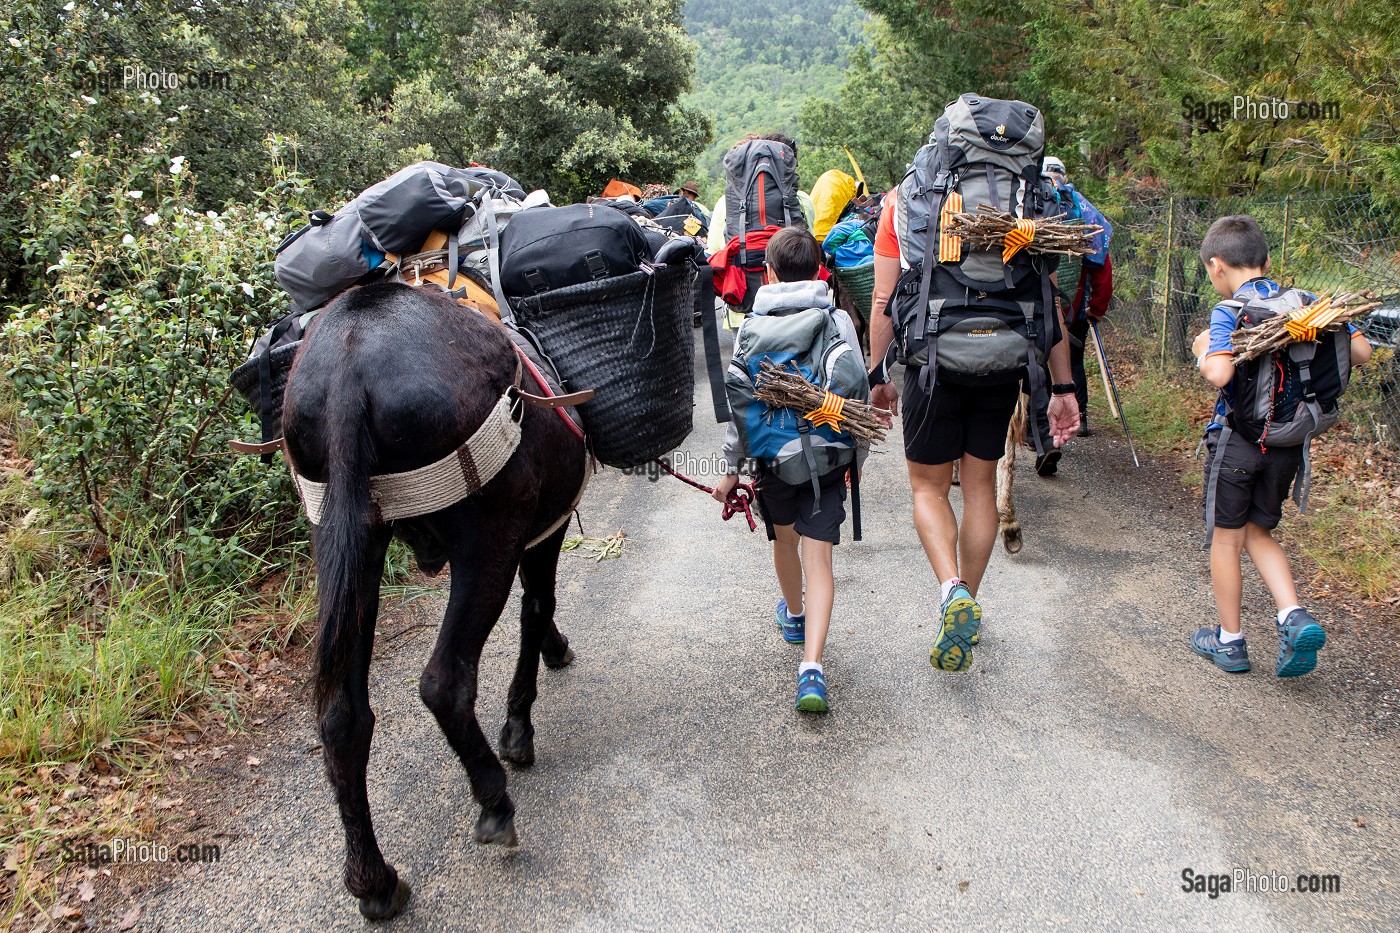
[828,413]
[1303,326]
[1017,239]
[949,246]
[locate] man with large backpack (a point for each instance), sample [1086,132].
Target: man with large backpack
[803,462]
[969,325]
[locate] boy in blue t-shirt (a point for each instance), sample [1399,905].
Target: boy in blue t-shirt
[1253,480]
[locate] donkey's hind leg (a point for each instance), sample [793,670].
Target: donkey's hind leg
[346,726]
[537,574]
[1008,524]
[481,580]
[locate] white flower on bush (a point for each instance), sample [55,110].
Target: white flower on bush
[247,289]
[89,100]
[177,165]
[68,7]
[128,240]
[15,42]
[135,194]
[152,219]
[76,154]
[212,215]
[54,178]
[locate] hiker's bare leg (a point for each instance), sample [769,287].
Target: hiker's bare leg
[788,565]
[979,519]
[1272,564]
[933,516]
[1225,575]
[821,594]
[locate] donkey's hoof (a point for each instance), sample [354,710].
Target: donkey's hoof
[496,830]
[517,745]
[559,660]
[1011,540]
[382,908]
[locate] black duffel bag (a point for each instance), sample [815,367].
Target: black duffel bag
[548,248]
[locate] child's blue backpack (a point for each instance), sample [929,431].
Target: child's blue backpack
[807,342]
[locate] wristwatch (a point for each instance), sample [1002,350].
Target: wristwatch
[1062,388]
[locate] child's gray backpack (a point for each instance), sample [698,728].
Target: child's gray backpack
[807,342]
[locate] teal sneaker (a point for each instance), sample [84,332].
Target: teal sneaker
[794,629]
[1232,658]
[1299,639]
[962,618]
[811,692]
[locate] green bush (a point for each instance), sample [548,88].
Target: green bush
[122,364]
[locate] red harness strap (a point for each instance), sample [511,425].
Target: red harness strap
[545,390]
[740,498]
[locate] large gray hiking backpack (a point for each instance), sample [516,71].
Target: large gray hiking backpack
[807,342]
[962,314]
[760,190]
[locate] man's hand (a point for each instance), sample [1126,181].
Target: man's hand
[725,486]
[1064,418]
[885,396]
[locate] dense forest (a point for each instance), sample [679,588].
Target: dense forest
[758,61]
[1139,91]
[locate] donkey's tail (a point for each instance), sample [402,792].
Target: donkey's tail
[341,545]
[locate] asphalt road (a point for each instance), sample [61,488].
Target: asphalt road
[1064,782]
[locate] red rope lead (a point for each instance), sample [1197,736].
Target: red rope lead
[740,498]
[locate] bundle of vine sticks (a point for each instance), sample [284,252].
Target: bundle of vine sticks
[987,227]
[1328,313]
[783,388]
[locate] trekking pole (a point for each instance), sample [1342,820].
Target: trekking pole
[1112,389]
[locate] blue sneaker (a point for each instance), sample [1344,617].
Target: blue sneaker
[962,618]
[1233,657]
[795,629]
[811,692]
[1299,639]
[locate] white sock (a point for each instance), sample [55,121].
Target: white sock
[1283,613]
[796,615]
[947,588]
[1229,638]
[806,666]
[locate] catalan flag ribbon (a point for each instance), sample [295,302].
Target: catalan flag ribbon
[828,412]
[949,246]
[1017,239]
[1303,326]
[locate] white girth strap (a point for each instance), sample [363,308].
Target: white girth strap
[448,481]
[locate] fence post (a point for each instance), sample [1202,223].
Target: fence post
[1283,250]
[1167,299]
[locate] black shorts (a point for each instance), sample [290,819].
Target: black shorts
[952,420]
[785,504]
[1253,483]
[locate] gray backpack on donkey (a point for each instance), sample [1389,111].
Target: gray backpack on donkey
[962,314]
[335,251]
[808,342]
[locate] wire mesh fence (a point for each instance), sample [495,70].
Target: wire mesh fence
[1320,243]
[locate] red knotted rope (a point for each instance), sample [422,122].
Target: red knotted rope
[740,498]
